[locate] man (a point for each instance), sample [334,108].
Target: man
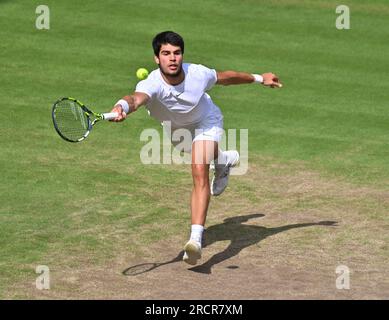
[176,92]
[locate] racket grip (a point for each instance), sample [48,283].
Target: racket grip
[110,115]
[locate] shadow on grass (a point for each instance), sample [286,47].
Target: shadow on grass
[232,229]
[146,267]
[242,236]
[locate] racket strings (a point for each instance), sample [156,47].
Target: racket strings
[71,120]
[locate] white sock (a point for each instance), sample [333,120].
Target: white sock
[197,233]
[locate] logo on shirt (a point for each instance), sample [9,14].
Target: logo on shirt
[177,95]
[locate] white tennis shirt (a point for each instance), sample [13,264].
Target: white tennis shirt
[183,104]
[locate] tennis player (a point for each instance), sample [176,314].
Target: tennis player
[177,92]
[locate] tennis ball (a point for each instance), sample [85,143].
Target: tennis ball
[142,73]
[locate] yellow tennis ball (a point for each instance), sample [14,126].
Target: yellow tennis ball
[142,73]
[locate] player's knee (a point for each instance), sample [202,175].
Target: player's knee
[200,174]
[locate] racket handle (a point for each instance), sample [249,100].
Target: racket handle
[110,115]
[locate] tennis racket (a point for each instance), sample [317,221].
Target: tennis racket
[73,121]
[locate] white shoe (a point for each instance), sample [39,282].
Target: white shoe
[192,252]
[222,173]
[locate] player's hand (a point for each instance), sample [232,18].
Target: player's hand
[122,115]
[271,80]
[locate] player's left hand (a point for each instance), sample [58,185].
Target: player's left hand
[271,80]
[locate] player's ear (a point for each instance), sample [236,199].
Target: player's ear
[156,59]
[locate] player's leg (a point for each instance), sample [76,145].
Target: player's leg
[203,152]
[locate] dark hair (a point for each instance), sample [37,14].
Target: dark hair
[167,37]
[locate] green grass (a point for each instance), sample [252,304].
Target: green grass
[331,115]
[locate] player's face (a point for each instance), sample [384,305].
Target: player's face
[170,60]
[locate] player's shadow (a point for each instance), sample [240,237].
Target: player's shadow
[232,229]
[242,236]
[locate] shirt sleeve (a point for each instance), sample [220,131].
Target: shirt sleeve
[210,77]
[148,87]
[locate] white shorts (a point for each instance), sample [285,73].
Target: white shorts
[210,128]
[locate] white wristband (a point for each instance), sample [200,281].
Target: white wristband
[124,105]
[258,78]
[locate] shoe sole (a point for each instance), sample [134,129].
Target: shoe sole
[192,254]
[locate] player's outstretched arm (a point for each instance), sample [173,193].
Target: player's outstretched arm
[129,104]
[233,77]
